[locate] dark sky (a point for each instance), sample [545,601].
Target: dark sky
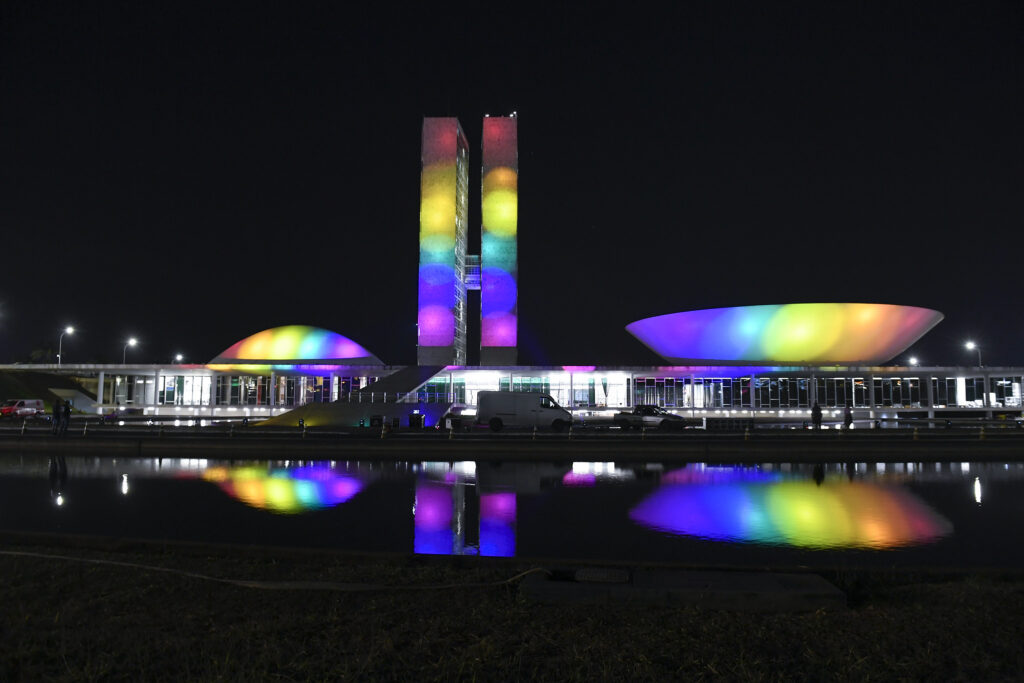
[193,174]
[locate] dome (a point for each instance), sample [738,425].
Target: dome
[292,344]
[795,334]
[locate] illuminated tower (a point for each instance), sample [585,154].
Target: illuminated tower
[444,204]
[499,272]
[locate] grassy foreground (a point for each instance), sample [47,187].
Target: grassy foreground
[64,620]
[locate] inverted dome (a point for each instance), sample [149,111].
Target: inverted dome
[296,344]
[762,507]
[807,334]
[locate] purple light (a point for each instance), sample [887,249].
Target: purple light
[498,506]
[433,506]
[498,291]
[436,326]
[498,329]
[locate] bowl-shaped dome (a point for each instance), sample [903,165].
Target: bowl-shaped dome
[296,344]
[803,334]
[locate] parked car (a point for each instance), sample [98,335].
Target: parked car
[22,407]
[455,418]
[649,416]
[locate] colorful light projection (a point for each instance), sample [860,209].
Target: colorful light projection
[443,210]
[806,334]
[439,519]
[751,506]
[292,346]
[498,242]
[286,491]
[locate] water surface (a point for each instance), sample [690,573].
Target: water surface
[855,514]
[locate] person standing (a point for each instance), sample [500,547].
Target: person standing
[65,418]
[847,418]
[816,415]
[58,414]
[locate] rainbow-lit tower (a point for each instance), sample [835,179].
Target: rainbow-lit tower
[499,272]
[444,208]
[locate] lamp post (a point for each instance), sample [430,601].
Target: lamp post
[124,352]
[60,342]
[178,358]
[971,346]
[913,361]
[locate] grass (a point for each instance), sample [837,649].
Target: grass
[72,621]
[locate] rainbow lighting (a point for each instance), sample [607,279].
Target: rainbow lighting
[746,505]
[499,276]
[292,347]
[800,334]
[286,491]
[444,205]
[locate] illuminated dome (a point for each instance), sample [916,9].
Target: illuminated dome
[296,344]
[805,334]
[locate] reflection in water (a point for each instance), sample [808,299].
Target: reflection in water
[285,490]
[575,509]
[588,474]
[58,476]
[453,517]
[744,504]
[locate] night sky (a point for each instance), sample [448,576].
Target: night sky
[191,175]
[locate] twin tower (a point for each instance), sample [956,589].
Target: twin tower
[447,272]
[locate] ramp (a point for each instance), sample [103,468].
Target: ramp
[404,381]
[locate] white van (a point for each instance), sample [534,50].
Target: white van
[22,407]
[500,409]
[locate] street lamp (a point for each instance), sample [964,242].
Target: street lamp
[178,358]
[131,342]
[60,341]
[913,361]
[971,346]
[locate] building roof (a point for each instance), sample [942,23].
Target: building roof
[295,345]
[794,334]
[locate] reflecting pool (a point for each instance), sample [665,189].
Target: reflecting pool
[772,514]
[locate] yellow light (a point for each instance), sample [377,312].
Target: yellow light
[500,210]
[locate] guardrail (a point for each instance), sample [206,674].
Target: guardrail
[151,428]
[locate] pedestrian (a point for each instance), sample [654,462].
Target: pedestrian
[65,417]
[58,411]
[816,415]
[847,418]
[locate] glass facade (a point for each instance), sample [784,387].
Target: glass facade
[870,388]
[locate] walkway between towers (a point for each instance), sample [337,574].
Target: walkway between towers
[405,381]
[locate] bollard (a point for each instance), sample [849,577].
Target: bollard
[160,431]
[23,423]
[915,433]
[534,432]
[746,434]
[570,431]
[231,430]
[85,429]
[643,432]
[451,432]
[981,434]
